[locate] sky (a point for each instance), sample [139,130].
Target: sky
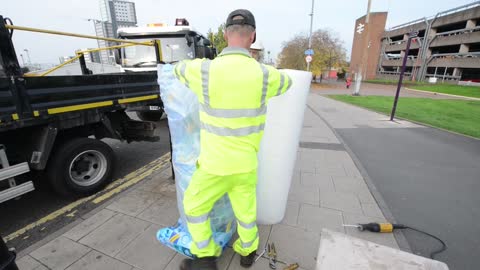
[277,20]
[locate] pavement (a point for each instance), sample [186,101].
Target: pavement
[329,188]
[428,178]
[372,89]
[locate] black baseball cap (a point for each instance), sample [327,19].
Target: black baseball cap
[247,19]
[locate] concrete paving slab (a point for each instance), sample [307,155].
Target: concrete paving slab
[165,187]
[90,224]
[341,251]
[372,210]
[305,165]
[95,260]
[145,252]
[133,203]
[322,181]
[60,253]
[163,212]
[294,244]
[222,263]
[29,263]
[331,171]
[174,263]
[302,194]
[261,264]
[111,237]
[386,239]
[291,213]
[346,202]
[314,218]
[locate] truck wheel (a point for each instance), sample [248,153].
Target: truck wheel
[80,166]
[152,116]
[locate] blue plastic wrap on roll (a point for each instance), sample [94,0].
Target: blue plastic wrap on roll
[181,106]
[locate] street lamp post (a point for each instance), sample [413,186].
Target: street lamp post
[361,74]
[98,44]
[310,37]
[23,59]
[28,56]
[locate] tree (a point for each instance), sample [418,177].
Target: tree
[217,38]
[328,48]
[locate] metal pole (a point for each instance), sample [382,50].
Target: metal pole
[363,64]
[310,37]
[28,57]
[23,60]
[400,80]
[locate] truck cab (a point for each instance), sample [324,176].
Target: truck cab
[178,42]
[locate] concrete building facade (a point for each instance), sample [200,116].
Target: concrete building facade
[447,47]
[115,14]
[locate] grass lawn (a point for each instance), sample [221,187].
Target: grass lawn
[459,90]
[462,116]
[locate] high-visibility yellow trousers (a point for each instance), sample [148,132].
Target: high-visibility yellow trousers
[202,193]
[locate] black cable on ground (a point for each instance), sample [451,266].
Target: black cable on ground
[433,253]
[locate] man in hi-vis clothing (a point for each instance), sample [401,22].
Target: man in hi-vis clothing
[233,91]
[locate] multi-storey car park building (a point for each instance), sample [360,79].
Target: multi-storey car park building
[447,47]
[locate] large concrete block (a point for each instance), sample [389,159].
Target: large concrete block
[341,251]
[60,253]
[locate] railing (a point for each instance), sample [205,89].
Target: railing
[438,15]
[458,32]
[80,54]
[457,55]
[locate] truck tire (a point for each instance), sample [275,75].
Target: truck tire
[152,116]
[80,166]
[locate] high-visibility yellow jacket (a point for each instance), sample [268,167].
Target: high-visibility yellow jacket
[233,91]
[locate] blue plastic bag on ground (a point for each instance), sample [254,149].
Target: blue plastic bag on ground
[181,106]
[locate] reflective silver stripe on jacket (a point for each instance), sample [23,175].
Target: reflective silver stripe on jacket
[204,243]
[236,132]
[265,84]
[232,113]
[248,244]
[199,219]
[247,226]
[183,67]
[282,83]
[205,69]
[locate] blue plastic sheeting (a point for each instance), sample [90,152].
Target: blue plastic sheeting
[181,106]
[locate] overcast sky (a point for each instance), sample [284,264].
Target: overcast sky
[277,20]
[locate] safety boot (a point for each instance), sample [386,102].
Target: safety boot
[205,263]
[247,261]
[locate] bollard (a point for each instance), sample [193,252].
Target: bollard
[7,257]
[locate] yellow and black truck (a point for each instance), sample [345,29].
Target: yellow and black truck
[55,123]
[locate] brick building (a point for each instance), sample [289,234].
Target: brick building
[447,47]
